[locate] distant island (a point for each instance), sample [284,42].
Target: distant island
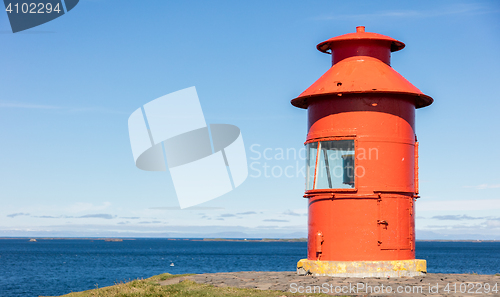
[257,240]
[69,238]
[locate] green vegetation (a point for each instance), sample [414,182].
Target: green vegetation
[150,287]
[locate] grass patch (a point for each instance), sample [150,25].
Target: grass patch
[151,288]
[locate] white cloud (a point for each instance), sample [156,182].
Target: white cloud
[458,205]
[26,105]
[291,213]
[247,213]
[98,216]
[439,12]
[484,186]
[187,209]
[493,223]
[85,207]
[22,105]
[13,215]
[456,217]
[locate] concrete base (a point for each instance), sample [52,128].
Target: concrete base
[398,268]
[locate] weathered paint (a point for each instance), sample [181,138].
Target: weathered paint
[398,268]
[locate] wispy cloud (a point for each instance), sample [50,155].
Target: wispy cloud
[23,105]
[87,207]
[489,229]
[381,14]
[276,220]
[150,222]
[457,9]
[95,110]
[54,217]
[247,213]
[13,215]
[189,208]
[155,230]
[493,223]
[459,205]
[291,213]
[130,218]
[227,215]
[98,216]
[88,216]
[448,227]
[4,104]
[484,186]
[456,217]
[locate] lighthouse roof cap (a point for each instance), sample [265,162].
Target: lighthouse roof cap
[325,46]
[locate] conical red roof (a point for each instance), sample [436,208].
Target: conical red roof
[361,74]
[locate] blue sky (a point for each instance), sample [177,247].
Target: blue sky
[68,87]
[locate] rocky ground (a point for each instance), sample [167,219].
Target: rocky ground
[432,284]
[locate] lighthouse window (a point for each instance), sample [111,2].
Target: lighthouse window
[335,165]
[312,151]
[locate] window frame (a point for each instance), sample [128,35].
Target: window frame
[333,138]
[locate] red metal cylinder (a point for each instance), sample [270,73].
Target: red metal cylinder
[362,173]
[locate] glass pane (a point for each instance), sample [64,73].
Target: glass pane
[336,165]
[311,149]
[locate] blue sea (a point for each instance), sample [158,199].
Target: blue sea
[51,267]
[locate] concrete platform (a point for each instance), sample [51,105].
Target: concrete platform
[431,284]
[398,268]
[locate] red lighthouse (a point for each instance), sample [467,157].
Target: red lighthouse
[362,162]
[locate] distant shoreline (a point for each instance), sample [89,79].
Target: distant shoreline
[119,239]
